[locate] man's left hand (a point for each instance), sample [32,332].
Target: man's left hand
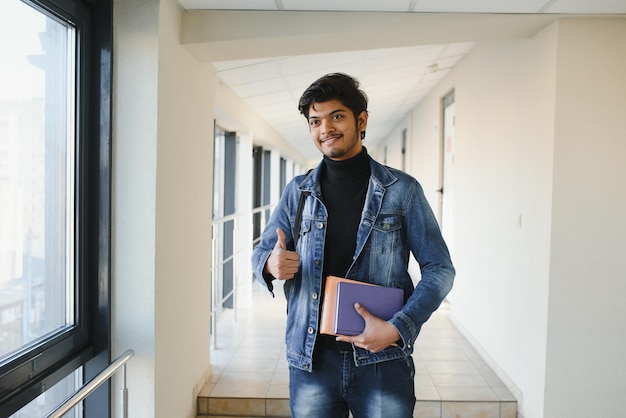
[377,335]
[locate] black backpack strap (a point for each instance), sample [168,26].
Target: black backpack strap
[298,220]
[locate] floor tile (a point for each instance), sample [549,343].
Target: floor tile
[237,407]
[277,408]
[467,394]
[458,380]
[250,375]
[428,409]
[470,410]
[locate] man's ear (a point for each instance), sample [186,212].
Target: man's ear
[362,123]
[362,120]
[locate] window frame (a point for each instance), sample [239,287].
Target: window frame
[40,365]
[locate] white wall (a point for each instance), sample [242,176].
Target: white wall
[502,170]
[586,365]
[504,142]
[133,212]
[539,190]
[184,211]
[163,136]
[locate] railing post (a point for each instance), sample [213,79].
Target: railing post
[235,251]
[213,288]
[92,385]
[124,405]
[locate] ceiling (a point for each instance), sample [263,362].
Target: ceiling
[395,79]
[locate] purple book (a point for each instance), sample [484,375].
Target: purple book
[381,301]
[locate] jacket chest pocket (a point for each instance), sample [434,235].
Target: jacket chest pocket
[386,234]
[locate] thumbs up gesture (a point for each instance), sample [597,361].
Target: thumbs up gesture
[282,264]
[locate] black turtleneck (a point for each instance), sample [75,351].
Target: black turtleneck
[344,186]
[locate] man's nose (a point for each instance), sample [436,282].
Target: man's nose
[327,126]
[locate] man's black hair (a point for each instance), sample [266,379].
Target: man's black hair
[335,86]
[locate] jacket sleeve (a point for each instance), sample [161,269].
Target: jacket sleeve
[281,217]
[427,245]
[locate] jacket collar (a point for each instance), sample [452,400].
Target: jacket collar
[380,174]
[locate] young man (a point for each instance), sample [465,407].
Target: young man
[360,220]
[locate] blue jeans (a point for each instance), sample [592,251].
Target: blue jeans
[336,385]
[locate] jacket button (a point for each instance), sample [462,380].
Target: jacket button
[310,330]
[320,225]
[314,295]
[386,227]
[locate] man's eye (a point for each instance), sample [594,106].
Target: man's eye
[337,116]
[314,122]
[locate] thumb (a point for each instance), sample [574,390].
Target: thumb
[280,243]
[362,311]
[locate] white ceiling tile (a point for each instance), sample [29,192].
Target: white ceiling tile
[229,4]
[243,75]
[586,6]
[380,53]
[319,62]
[393,79]
[230,65]
[461,48]
[302,81]
[260,88]
[267,100]
[348,5]
[479,6]
[417,59]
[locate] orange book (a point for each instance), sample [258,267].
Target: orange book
[329,304]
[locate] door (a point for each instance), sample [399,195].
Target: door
[447,167]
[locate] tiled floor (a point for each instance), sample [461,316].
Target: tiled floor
[250,374]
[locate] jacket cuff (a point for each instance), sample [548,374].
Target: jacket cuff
[264,278]
[407,330]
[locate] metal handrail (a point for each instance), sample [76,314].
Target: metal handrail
[260,210]
[216,301]
[93,384]
[218,262]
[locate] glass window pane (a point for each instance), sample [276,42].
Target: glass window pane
[53,397]
[37,90]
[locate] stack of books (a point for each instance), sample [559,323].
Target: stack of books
[339,317]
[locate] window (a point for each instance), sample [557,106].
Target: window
[224,206]
[37,180]
[54,182]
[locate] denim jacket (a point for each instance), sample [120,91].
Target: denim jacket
[396,220]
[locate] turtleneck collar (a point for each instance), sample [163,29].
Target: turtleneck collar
[345,169]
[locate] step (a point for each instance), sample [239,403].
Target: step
[258,407]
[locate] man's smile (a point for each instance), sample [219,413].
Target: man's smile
[330,138]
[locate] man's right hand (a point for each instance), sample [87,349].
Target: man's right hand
[282,264]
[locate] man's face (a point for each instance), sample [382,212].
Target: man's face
[334,130]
